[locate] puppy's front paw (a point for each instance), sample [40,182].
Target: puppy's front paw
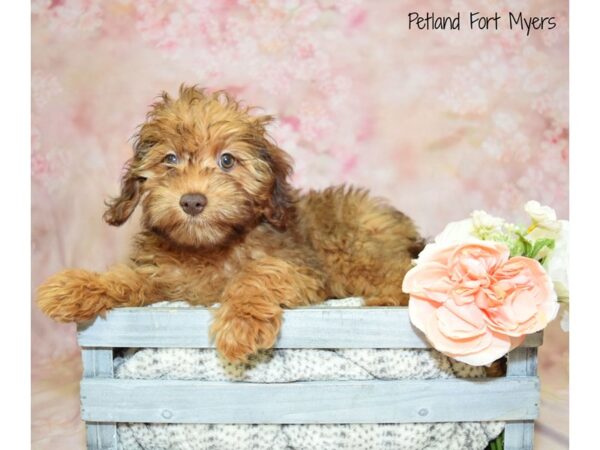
[238,335]
[72,296]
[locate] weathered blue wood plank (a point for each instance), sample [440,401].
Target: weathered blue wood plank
[522,362]
[101,436]
[302,328]
[405,401]
[98,364]
[518,435]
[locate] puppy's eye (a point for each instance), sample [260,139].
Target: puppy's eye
[171,158]
[226,161]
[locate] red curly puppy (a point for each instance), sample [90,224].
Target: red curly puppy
[221,223]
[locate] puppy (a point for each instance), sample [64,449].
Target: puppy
[221,223]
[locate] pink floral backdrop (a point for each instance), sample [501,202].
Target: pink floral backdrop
[439,122]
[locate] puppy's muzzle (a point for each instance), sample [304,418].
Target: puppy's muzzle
[193,203]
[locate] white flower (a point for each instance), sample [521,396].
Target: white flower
[557,261]
[453,233]
[484,224]
[543,221]
[456,232]
[564,319]
[480,226]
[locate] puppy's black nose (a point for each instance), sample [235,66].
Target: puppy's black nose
[192,204]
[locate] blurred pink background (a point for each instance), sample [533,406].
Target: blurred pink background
[439,122]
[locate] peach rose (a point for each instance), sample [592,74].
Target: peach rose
[475,303]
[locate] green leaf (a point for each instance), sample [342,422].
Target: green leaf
[539,245]
[521,247]
[517,248]
[496,444]
[528,246]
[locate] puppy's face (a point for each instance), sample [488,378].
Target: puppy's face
[204,172]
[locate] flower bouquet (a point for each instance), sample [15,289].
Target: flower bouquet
[484,284]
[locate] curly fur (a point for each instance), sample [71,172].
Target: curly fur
[258,246]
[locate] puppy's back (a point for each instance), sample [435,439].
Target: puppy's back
[357,237]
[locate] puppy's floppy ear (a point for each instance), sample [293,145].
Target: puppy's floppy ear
[121,207]
[280,205]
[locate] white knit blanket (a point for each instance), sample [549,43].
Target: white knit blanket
[288,365]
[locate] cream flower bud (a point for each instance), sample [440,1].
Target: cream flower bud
[543,218]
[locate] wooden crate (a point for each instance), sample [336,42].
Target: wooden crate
[106,401]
